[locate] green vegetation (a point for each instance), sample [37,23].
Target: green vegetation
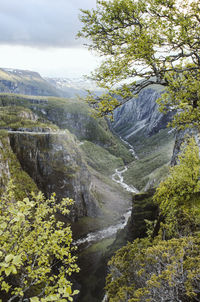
[165,267]
[15,117]
[36,259]
[154,157]
[153,40]
[178,195]
[158,271]
[74,115]
[23,183]
[100,159]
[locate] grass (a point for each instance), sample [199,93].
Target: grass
[100,159]
[71,114]
[144,146]
[14,117]
[154,156]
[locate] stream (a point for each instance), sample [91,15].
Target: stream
[111,230]
[118,178]
[105,233]
[131,148]
[96,248]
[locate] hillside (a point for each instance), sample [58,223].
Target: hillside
[25,82]
[140,124]
[57,146]
[52,138]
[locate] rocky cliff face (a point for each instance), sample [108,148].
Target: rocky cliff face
[10,168]
[181,138]
[140,123]
[54,162]
[140,115]
[54,157]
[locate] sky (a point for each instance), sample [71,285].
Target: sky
[40,35]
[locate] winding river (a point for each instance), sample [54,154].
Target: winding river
[105,233]
[111,230]
[93,258]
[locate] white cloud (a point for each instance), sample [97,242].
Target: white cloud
[53,62]
[41,23]
[40,35]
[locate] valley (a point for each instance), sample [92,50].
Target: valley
[100,151]
[59,147]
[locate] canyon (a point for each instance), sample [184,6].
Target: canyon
[54,144]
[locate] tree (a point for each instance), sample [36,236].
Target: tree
[146,42]
[36,259]
[165,268]
[178,195]
[162,271]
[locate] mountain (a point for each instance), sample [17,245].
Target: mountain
[70,87]
[31,83]
[141,125]
[25,82]
[54,144]
[52,138]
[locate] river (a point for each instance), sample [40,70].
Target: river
[92,237]
[96,248]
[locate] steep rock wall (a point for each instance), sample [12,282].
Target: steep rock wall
[181,138]
[55,164]
[140,115]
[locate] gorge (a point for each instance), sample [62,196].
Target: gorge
[55,144]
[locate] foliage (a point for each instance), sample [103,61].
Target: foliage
[106,162]
[178,195]
[160,271]
[182,94]
[151,41]
[36,259]
[15,117]
[166,268]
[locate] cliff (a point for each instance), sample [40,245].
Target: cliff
[140,123]
[76,162]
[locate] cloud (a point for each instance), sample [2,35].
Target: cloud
[41,23]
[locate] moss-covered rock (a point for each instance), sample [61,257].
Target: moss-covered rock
[10,169]
[55,163]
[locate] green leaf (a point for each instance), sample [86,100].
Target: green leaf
[8,271]
[76,292]
[17,260]
[9,257]
[34,299]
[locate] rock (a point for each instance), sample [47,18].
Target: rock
[143,209]
[54,162]
[140,115]
[10,169]
[181,139]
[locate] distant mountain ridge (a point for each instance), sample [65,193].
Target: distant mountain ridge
[70,87]
[25,82]
[28,82]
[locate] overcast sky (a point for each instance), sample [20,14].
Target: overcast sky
[40,35]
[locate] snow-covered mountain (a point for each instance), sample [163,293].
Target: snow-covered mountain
[72,86]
